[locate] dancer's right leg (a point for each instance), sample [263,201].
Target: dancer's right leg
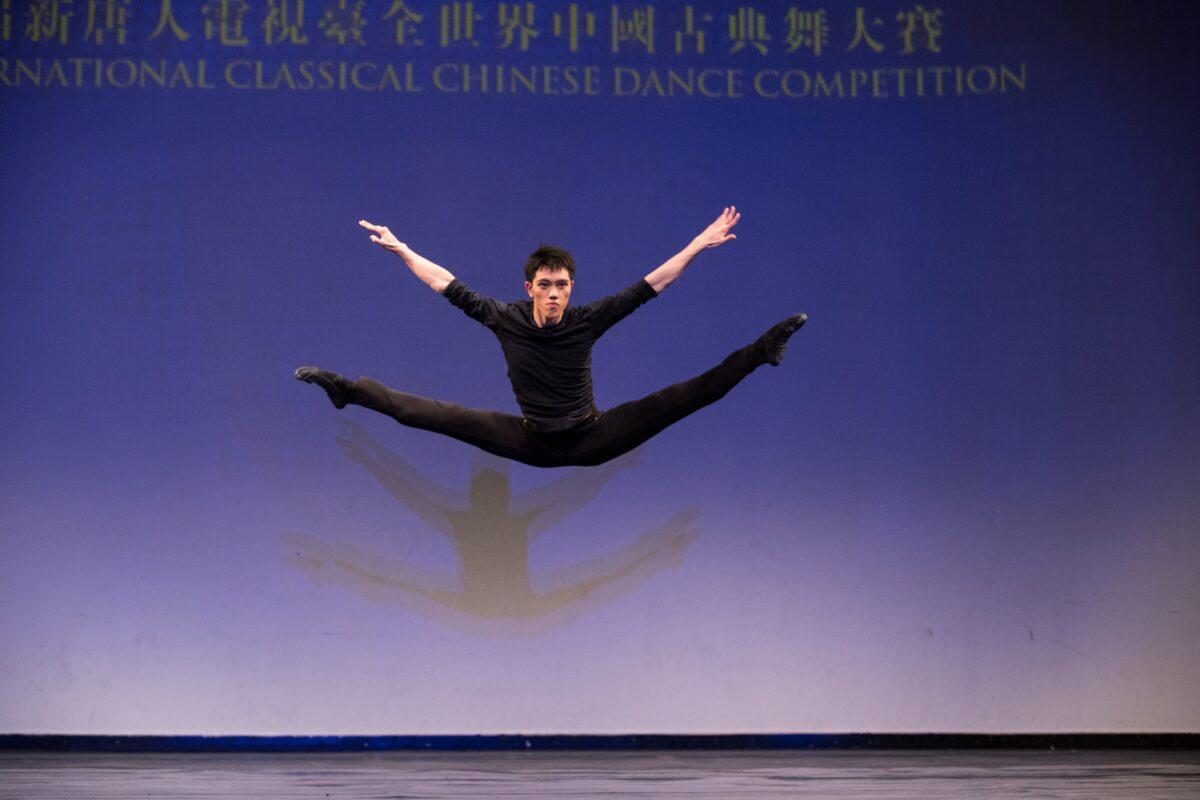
[500,434]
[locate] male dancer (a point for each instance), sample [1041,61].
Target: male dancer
[548,348]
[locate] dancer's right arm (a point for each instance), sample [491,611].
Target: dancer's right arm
[435,277]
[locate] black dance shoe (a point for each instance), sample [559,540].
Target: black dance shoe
[774,342]
[335,385]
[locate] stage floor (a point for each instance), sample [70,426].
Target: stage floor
[578,775]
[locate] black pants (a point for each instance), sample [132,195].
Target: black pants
[604,437]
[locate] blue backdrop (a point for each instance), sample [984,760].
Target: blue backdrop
[967,500]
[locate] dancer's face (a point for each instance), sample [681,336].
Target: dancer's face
[550,291]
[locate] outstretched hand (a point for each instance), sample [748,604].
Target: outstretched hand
[717,233]
[384,238]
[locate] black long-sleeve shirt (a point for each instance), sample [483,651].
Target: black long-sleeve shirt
[550,368]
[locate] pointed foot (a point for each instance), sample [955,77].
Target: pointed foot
[334,385]
[774,342]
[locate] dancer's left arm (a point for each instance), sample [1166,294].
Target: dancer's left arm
[714,235]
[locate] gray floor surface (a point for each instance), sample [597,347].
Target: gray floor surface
[806,774]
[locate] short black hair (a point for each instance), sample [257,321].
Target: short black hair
[551,258]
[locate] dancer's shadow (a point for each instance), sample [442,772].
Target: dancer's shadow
[491,531]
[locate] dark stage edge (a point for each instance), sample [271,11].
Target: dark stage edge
[631,742]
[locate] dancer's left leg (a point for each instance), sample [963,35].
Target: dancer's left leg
[624,427]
